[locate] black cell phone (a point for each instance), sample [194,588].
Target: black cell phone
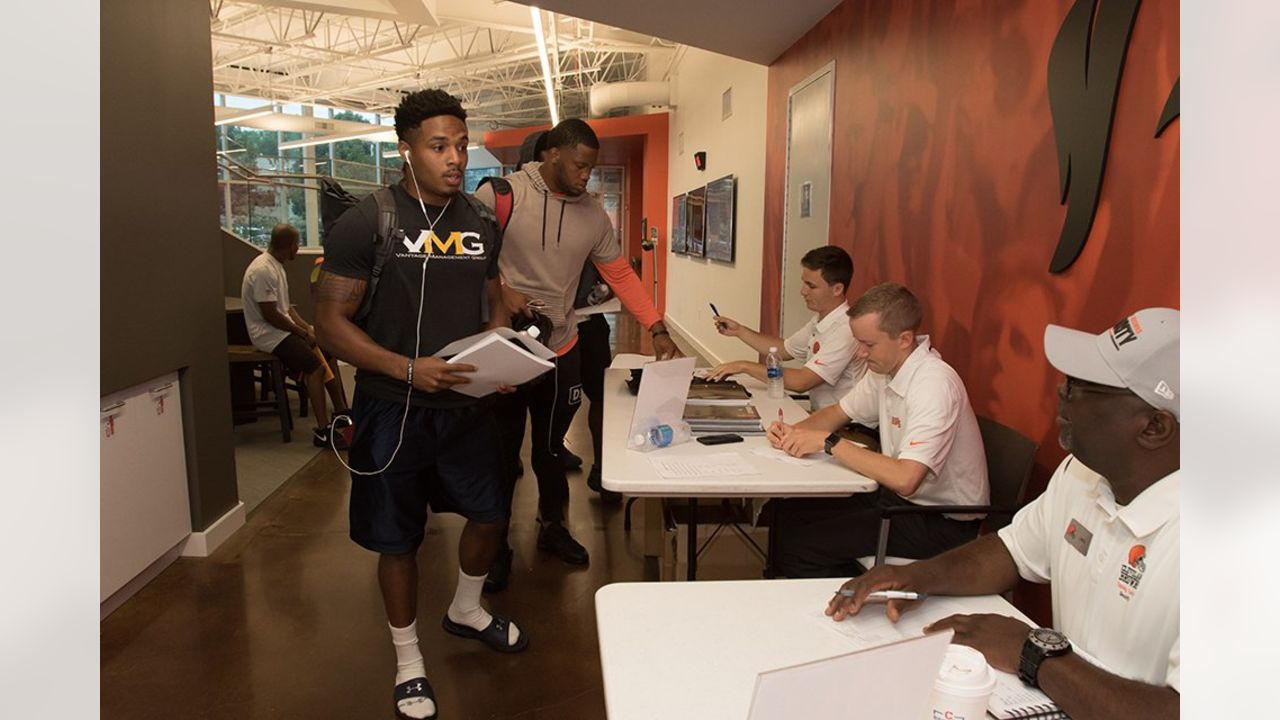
[720,439]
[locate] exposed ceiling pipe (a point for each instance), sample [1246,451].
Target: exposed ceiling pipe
[609,96]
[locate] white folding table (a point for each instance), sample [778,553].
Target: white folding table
[693,650]
[630,472]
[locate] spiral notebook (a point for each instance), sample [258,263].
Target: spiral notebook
[1014,699]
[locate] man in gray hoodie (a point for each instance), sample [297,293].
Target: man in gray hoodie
[555,227]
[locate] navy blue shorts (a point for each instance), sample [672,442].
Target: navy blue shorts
[449,459]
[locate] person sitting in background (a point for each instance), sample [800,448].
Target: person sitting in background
[276,328]
[932,449]
[825,343]
[1104,534]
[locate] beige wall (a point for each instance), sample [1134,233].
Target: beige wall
[733,146]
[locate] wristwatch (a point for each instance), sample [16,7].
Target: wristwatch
[830,443]
[1041,643]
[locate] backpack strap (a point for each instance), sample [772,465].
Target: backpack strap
[503,201]
[384,244]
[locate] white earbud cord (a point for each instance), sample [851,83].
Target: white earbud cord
[417,342]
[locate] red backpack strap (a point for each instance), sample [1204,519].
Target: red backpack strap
[503,200]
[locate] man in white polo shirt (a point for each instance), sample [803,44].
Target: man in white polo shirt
[931,449]
[1104,533]
[832,365]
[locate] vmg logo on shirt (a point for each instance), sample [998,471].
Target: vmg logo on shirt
[458,243]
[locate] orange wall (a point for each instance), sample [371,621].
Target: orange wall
[944,178]
[648,196]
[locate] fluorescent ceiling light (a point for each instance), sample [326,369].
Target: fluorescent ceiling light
[375,133]
[246,115]
[536,15]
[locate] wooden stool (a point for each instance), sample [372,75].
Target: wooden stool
[274,369]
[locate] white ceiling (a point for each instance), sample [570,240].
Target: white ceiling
[365,54]
[754,30]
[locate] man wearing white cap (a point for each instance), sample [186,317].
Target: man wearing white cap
[1105,532]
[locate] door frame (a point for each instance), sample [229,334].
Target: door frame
[813,77]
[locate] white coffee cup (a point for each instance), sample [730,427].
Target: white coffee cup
[964,685]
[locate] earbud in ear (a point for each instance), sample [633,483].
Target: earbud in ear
[405,155]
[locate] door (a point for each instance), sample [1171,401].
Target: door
[806,224]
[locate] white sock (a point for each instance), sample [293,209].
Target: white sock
[409,665]
[465,608]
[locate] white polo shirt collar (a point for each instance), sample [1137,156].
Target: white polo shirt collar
[840,314]
[902,380]
[1148,512]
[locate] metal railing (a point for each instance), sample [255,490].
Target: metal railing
[252,200]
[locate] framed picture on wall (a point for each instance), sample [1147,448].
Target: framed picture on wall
[694,221]
[721,209]
[678,241]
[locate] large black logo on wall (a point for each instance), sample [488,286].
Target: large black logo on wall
[1084,80]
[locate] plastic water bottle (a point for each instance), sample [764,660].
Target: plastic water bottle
[773,367]
[662,435]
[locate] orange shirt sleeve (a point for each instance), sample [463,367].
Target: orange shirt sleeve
[619,275]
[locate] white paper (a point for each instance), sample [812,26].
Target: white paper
[872,627]
[532,345]
[696,466]
[630,361]
[774,453]
[498,362]
[608,306]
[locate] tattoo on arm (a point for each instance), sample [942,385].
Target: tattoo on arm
[339,289]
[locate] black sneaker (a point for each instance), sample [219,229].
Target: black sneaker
[499,572]
[320,438]
[595,482]
[555,538]
[571,461]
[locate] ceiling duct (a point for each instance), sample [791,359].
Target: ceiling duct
[611,96]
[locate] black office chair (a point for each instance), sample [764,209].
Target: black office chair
[1010,456]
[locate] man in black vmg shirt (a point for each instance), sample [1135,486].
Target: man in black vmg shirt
[428,444]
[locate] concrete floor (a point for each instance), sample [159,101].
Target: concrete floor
[285,620]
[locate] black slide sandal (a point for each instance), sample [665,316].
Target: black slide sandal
[495,635]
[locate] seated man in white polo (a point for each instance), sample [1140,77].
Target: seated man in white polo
[1104,533]
[832,365]
[932,450]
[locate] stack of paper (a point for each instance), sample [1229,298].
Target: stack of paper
[500,357]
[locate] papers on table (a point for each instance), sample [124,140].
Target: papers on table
[500,357]
[775,454]
[630,361]
[871,628]
[695,466]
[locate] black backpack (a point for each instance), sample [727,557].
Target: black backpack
[387,234]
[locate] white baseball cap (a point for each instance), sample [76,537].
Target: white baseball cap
[1139,353]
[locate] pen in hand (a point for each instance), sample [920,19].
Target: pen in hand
[885,595]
